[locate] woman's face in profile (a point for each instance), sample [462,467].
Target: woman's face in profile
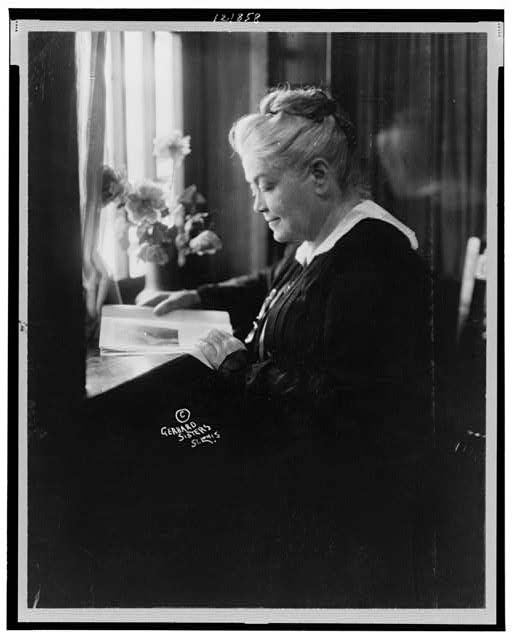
[284,198]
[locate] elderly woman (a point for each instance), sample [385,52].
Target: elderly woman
[333,373]
[341,342]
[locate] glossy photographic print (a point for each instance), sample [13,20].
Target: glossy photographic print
[260,370]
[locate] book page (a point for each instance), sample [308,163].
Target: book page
[132,329]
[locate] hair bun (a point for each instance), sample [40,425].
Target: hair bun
[329,107]
[312,103]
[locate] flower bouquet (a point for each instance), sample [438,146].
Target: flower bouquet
[165,226]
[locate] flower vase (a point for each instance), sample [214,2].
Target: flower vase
[153,278]
[158,277]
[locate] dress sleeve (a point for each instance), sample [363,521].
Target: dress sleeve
[241,297]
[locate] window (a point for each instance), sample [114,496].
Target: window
[144,98]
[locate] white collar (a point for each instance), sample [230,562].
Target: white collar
[305,253]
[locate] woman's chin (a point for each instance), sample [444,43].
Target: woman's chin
[280,235]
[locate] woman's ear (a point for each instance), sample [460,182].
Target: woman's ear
[320,171]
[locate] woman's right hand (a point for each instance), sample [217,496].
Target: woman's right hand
[166,301]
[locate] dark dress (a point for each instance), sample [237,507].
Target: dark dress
[335,402]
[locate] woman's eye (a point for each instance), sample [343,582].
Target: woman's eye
[267,187]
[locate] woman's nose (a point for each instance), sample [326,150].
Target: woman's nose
[259,203]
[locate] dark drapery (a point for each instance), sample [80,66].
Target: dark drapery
[224,76]
[56,350]
[55,312]
[459,107]
[419,101]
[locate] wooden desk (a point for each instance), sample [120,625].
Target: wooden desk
[104,373]
[135,388]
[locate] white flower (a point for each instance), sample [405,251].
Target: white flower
[205,242]
[145,201]
[175,146]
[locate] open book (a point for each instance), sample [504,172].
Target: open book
[129,329]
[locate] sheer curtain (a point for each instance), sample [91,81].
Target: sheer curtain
[129,92]
[90,47]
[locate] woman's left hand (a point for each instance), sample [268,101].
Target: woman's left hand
[218,345]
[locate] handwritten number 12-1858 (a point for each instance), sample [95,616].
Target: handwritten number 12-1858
[251,16]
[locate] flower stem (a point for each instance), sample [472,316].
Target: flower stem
[172,179]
